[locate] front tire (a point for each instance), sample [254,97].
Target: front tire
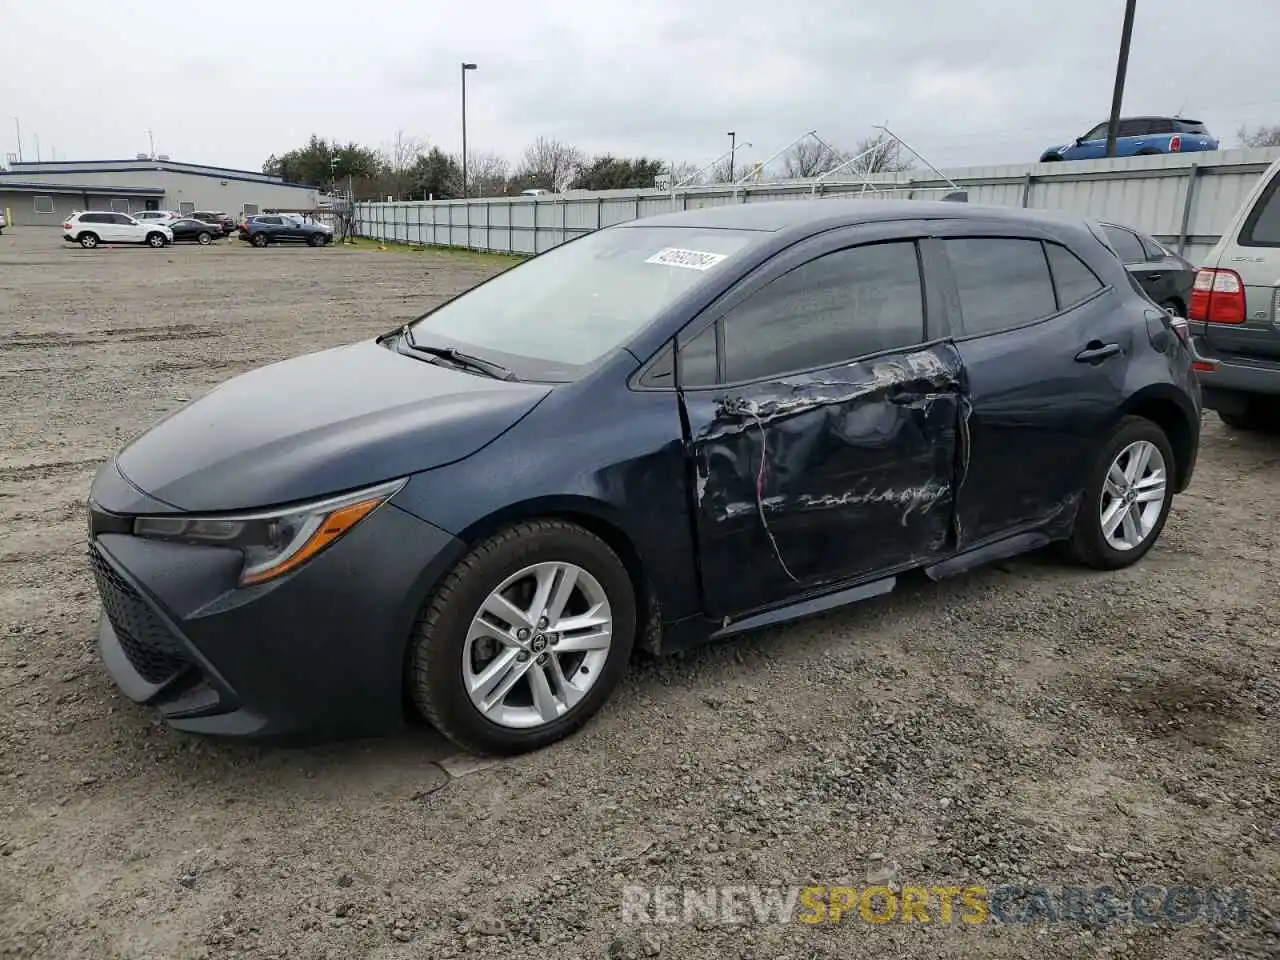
[525,639]
[316,240]
[1127,499]
[258,240]
[156,240]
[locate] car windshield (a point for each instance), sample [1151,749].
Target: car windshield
[556,314]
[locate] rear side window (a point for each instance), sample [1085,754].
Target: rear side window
[1126,244]
[1191,126]
[1159,126]
[1152,248]
[1002,282]
[1071,278]
[1262,228]
[843,305]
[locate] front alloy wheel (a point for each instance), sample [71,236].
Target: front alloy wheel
[524,640]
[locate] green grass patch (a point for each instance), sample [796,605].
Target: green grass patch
[503,259]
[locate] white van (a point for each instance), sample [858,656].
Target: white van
[1235,314]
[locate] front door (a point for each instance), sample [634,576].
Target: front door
[1044,352]
[821,422]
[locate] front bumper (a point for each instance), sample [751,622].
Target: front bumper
[319,653]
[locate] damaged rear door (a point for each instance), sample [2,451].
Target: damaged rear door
[821,407]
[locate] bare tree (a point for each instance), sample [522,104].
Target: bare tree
[887,157]
[549,164]
[682,171]
[487,174]
[1262,137]
[398,162]
[811,158]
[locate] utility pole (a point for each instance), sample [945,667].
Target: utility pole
[1122,67]
[18,126]
[465,68]
[37,139]
[152,141]
[733,151]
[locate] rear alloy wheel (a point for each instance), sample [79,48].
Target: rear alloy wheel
[88,240]
[204,239]
[525,638]
[258,240]
[1128,497]
[156,240]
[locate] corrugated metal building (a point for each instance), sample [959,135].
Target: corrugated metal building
[43,194]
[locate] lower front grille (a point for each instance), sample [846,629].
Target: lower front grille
[150,646]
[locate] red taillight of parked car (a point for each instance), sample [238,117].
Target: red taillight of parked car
[66,226]
[1217,296]
[1175,144]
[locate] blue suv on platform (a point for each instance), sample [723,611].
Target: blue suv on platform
[1137,137]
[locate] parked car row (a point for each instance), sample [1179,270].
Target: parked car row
[159,228]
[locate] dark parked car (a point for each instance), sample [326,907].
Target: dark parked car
[1166,277]
[670,430]
[283,228]
[199,231]
[223,221]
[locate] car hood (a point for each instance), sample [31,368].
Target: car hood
[320,424]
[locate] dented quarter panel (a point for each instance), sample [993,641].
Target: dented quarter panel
[825,476]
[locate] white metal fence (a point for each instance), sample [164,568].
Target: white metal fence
[1184,200]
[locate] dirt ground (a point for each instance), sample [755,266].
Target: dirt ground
[1029,724]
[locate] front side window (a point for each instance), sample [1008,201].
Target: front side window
[1002,282]
[555,314]
[1097,133]
[843,305]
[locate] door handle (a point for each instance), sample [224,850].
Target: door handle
[1096,351]
[1155,276]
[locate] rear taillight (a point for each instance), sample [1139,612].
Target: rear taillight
[66,226]
[1175,144]
[1217,296]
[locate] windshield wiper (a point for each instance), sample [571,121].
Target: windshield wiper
[458,358]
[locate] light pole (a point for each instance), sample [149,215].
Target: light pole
[1122,67]
[465,67]
[733,151]
[37,136]
[18,127]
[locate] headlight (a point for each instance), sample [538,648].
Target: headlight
[273,542]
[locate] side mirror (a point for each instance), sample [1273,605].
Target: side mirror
[1079,141]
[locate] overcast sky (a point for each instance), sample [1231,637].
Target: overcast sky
[966,81]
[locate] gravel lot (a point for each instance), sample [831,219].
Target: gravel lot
[1031,723]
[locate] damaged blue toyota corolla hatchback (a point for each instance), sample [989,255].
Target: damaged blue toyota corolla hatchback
[670,430]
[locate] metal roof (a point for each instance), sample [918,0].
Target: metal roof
[96,189]
[149,164]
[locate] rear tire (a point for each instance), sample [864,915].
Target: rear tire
[88,240]
[1257,415]
[451,648]
[204,239]
[1095,541]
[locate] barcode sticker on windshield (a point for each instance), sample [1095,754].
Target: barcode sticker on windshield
[690,259]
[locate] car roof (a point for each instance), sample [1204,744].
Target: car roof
[777,215]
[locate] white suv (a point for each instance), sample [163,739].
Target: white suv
[93,227]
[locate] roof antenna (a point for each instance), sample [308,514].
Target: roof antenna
[1182,108]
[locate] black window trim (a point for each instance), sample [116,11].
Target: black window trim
[1245,237]
[722,383]
[1102,287]
[962,335]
